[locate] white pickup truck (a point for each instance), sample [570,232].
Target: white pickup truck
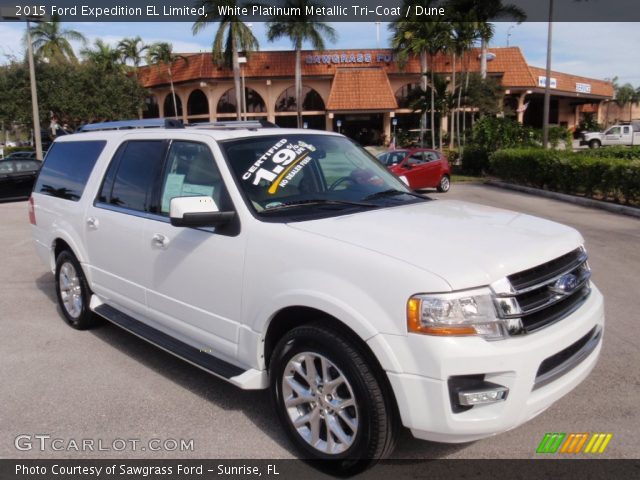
[628,134]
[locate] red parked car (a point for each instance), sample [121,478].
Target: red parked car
[422,167]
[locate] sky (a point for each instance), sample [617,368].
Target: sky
[596,50]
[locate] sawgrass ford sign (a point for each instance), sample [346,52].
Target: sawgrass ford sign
[349,58]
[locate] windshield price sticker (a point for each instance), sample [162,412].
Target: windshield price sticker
[279,164]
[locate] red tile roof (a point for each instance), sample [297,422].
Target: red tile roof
[361,89]
[567,82]
[509,63]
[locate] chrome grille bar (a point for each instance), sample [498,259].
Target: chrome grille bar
[558,287]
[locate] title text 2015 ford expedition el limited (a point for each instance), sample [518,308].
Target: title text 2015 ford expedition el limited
[292,260]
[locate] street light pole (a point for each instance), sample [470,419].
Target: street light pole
[547,83]
[34,96]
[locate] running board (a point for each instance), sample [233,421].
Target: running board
[186,352]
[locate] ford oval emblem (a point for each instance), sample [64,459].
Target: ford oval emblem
[565,285]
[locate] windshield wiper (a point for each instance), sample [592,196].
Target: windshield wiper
[317,201]
[393,192]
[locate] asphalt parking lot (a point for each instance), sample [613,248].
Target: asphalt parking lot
[108,384]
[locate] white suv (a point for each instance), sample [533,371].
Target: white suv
[292,260]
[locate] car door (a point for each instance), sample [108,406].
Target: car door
[613,136]
[193,276]
[412,169]
[432,169]
[627,136]
[116,222]
[24,176]
[7,184]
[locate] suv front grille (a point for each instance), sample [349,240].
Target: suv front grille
[540,296]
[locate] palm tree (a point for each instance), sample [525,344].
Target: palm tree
[627,95]
[300,29]
[494,10]
[445,101]
[51,41]
[483,12]
[232,37]
[464,33]
[132,49]
[103,55]
[416,36]
[161,53]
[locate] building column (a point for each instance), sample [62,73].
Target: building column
[328,122]
[520,109]
[184,98]
[271,104]
[212,105]
[160,99]
[386,127]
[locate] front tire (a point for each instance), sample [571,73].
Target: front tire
[330,401]
[73,292]
[445,184]
[594,144]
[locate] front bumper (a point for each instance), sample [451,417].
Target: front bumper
[422,391]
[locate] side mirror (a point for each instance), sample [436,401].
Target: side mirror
[408,166]
[200,211]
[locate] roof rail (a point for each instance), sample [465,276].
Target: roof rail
[233,124]
[131,124]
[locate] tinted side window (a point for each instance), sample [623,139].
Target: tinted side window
[26,165]
[132,174]
[6,167]
[67,167]
[190,171]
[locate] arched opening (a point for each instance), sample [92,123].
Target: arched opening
[227,103]
[311,100]
[406,93]
[169,111]
[197,103]
[151,109]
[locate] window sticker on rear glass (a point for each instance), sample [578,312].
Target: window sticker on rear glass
[280,164]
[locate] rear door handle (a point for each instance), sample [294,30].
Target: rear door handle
[160,241]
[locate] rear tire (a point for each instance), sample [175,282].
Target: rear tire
[73,292]
[594,144]
[445,184]
[331,403]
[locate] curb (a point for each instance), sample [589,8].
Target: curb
[584,202]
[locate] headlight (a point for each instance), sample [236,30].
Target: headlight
[455,314]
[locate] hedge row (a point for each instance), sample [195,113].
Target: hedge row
[574,173]
[629,153]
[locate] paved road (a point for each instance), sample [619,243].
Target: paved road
[107,384]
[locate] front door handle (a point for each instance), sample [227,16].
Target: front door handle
[160,241]
[92,223]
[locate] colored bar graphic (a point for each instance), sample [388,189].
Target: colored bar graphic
[550,443]
[572,443]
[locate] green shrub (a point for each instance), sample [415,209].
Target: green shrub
[628,153]
[475,160]
[573,173]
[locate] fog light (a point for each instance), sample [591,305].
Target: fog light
[479,397]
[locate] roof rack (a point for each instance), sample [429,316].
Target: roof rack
[131,124]
[172,123]
[233,124]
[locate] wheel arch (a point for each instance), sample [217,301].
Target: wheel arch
[291,317]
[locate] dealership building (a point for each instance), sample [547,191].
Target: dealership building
[361,93]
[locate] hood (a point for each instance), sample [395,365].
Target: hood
[466,244]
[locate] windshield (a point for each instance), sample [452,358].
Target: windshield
[392,158]
[305,174]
